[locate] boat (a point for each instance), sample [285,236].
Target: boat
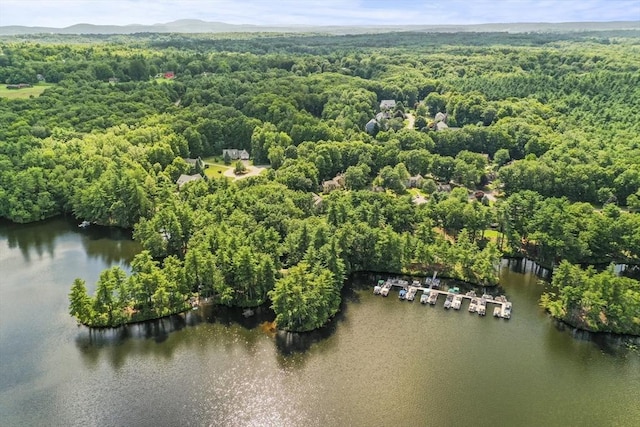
[457,302]
[377,288]
[402,294]
[411,294]
[448,301]
[84,224]
[385,288]
[473,305]
[496,312]
[487,297]
[248,312]
[433,297]
[500,298]
[424,298]
[482,307]
[506,311]
[471,294]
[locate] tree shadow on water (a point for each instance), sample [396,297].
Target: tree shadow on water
[290,343]
[607,343]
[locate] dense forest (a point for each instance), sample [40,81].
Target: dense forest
[496,144]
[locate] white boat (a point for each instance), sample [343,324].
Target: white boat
[506,311]
[377,288]
[411,294]
[424,298]
[84,224]
[448,301]
[433,297]
[457,302]
[482,307]
[496,311]
[473,305]
[386,288]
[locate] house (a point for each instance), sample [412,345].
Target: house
[371,126]
[235,154]
[444,188]
[441,126]
[336,183]
[414,181]
[197,165]
[317,201]
[187,178]
[169,75]
[387,104]
[441,117]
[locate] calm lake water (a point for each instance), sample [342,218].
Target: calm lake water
[383,362]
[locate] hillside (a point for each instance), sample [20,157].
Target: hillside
[199,26]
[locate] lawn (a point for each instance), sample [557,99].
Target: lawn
[215,170]
[23,93]
[492,235]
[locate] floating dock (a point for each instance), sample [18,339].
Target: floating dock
[454,300]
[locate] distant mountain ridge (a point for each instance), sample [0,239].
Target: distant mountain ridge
[199,26]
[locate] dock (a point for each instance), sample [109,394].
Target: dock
[453,300]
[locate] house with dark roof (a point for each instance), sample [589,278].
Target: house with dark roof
[188,178]
[371,125]
[235,154]
[414,181]
[196,164]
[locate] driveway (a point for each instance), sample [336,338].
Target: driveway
[251,171]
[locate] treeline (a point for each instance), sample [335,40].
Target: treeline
[549,123]
[599,302]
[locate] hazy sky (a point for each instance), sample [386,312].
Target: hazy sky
[62,13]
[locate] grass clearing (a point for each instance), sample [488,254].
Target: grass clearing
[492,235]
[215,170]
[23,93]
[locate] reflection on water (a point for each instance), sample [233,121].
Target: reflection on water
[110,245]
[380,362]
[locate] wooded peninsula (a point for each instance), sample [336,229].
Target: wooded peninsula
[267,168]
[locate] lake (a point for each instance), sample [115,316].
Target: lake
[382,362]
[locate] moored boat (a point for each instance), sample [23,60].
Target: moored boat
[473,305]
[448,301]
[506,311]
[433,297]
[424,298]
[377,288]
[482,307]
[457,302]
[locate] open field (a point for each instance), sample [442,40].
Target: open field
[24,92]
[215,170]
